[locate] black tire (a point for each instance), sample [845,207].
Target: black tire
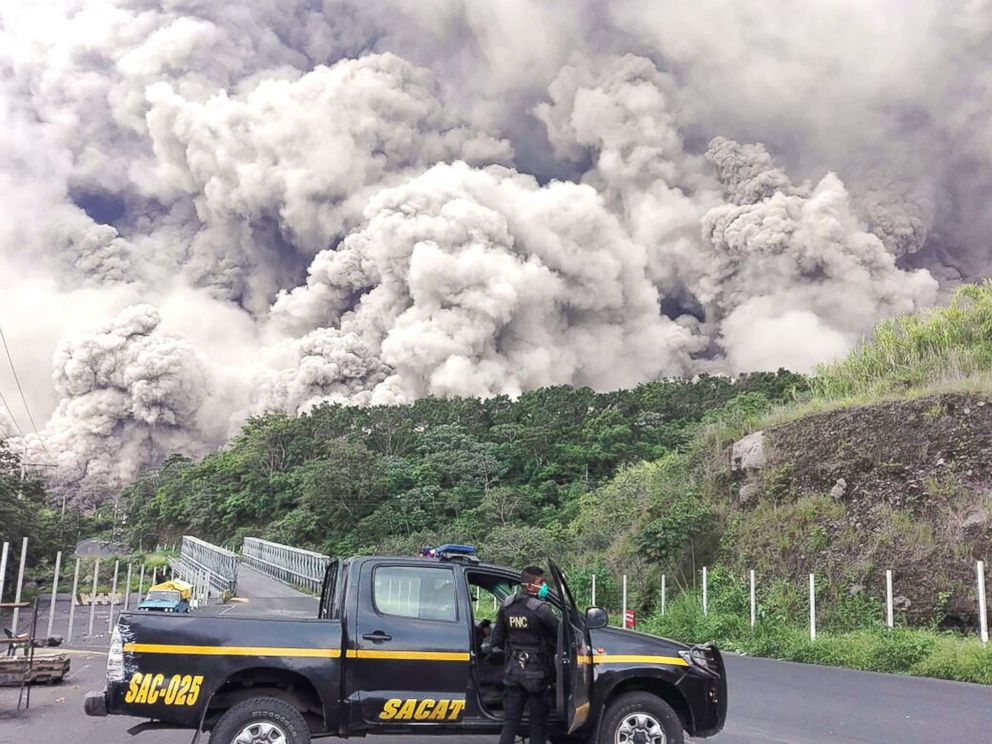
[653,710]
[262,712]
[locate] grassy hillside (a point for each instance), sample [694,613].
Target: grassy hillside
[886,464]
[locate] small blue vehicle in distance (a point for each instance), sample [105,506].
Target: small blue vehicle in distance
[169,596]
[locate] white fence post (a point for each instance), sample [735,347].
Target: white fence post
[623,616]
[96,575]
[754,604]
[127,590]
[594,590]
[141,583]
[55,590]
[812,608]
[3,567]
[983,621]
[663,594]
[20,582]
[72,602]
[889,614]
[705,591]
[154,576]
[113,597]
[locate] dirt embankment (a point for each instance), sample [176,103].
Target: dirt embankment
[904,485]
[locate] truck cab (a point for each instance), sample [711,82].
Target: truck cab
[397,648]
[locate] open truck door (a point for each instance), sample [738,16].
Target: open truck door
[574,658]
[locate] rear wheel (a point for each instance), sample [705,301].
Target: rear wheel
[261,720]
[640,718]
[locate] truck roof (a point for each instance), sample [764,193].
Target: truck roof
[439,560]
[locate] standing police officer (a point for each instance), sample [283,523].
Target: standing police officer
[529,627]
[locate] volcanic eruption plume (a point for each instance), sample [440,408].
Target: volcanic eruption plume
[211,210]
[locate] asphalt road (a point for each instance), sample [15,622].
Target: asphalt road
[770,702]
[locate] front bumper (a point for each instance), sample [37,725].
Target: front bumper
[706,691]
[95,704]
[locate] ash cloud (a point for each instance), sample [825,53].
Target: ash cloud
[212,210]
[129,395]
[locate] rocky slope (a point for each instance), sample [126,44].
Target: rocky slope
[903,485]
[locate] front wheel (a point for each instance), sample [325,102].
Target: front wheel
[261,720]
[640,718]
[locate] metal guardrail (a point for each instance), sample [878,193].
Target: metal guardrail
[300,568]
[199,557]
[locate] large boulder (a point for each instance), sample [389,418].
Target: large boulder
[748,453]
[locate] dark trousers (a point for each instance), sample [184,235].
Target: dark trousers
[515,698]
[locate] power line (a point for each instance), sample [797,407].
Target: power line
[11,414]
[24,400]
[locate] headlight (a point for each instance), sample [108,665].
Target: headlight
[695,656]
[115,657]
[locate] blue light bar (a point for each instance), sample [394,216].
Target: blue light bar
[456,549]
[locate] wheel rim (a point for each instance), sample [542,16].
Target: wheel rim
[640,728]
[262,732]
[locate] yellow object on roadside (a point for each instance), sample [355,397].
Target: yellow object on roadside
[175,585]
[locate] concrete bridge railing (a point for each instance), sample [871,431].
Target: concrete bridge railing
[295,566]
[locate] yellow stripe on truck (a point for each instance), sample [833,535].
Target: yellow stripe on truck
[167,648]
[363,653]
[321,653]
[632,659]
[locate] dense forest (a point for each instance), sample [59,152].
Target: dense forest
[507,474]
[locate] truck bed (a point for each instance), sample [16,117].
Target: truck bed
[174,666]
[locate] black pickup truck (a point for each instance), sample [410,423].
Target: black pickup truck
[397,649]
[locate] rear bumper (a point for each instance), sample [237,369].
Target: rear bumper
[95,704]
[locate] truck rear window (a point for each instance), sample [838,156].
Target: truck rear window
[411,591]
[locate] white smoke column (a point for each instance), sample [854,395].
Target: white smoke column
[129,396]
[793,277]
[781,274]
[293,162]
[626,116]
[477,282]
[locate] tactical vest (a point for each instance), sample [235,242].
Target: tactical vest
[530,659]
[523,624]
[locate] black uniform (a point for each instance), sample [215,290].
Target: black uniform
[527,628]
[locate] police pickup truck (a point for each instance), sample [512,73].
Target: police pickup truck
[397,648]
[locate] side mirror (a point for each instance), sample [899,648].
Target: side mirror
[596,618]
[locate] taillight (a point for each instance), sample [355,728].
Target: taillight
[115,657]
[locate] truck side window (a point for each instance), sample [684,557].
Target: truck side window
[329,609]
[411,591]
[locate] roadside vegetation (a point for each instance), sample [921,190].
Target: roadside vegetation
[858,641]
